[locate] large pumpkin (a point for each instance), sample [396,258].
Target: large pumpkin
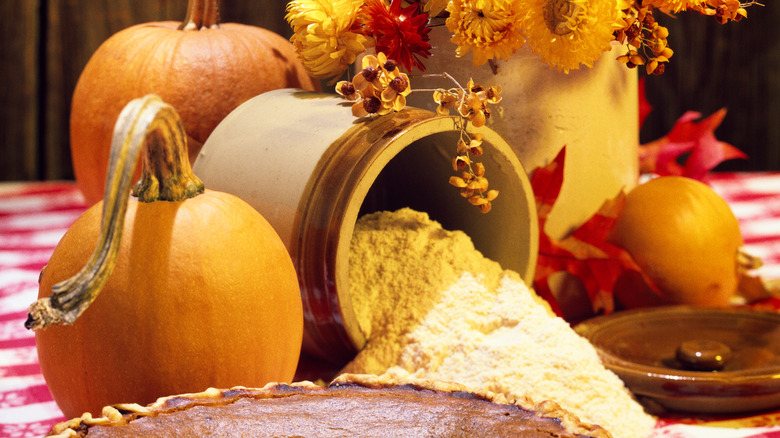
[196,289]
[202,67]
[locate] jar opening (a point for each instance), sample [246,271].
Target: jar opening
[417,177]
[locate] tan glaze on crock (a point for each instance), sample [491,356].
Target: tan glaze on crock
[311,169]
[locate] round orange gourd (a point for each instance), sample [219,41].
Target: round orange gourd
[200,290]
[684,237]
[202,67]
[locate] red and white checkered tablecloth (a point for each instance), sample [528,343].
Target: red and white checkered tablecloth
[34,216]
[755,200]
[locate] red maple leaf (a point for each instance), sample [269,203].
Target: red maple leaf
[585,253]
[688,136]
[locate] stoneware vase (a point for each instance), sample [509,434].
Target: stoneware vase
[593,112]
[311,169]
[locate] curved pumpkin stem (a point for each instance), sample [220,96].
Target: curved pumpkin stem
[201,14]
[166,175]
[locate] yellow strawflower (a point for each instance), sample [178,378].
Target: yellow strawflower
[568,33]
[326,37]
[489,29]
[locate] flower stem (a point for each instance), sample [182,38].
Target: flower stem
[442,75]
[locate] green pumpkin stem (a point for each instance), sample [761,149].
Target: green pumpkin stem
[201,14]
[166,176]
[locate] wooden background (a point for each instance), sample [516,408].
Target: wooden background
[46,43]
[736,66]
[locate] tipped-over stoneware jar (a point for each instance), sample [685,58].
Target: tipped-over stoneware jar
[312,169]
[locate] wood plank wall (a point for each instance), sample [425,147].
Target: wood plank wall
[19,33]
[736,66]
[46,43]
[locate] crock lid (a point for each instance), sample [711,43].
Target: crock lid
[693,359]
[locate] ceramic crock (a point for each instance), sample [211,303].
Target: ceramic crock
[311,169]
[594,112]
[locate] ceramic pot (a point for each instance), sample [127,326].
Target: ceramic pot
[594,112]
[311,169]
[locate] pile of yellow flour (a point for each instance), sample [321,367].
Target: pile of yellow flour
[433,307]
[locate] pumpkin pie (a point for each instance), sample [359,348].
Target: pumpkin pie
[352,405]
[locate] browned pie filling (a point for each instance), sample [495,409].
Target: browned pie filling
[350,406]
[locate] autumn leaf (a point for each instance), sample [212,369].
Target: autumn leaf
[585,253]
[694,138]
[644,106]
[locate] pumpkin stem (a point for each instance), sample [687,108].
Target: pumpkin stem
[166,175]
[201,14]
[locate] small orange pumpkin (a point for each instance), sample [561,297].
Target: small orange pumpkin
[196,289]
[685,238]
[202,67]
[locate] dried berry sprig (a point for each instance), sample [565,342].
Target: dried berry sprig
[645,40]
[471,105]
[471,181]
[380,88]
[726,10]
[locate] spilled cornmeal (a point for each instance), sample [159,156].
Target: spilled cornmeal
[433,307]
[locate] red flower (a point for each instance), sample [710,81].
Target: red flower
[400,33]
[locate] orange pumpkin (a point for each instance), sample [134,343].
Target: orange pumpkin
[202,67]
[196,289]
[685,238]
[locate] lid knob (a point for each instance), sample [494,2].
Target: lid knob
[703,355]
